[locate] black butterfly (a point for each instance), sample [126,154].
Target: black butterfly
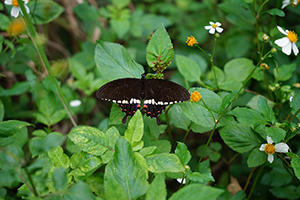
[128,93]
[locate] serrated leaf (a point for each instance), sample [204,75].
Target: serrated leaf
[183,153]
[277,134]
[266,110]
[256,158]
[285,72]
[114,57]
[60,179]
[296,166]
[89,139]
[226,100]
[239,137]
[200,177]
[11,127]
[164,162]
[197,191]
[85,162]
[58,157]
[249,117]
[157,189]
[160,48]
[135,130]
[188,68]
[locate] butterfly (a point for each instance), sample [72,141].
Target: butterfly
[128,93]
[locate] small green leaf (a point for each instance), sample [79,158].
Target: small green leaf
[249,117]
[296,166]
[183,153]
[164,162]
[277,134]
[157,189]
[240,195]
[89,139]
[200,178]
[57,116]
[80,190]
[4,22]
[147,151]
[275,11]
[135,130]
[60,179]
[226,100]
[239,137]
[11,127]
[286,192]
[256,158]
[295,104]
[17,89]
[188,68]
[120,26]
[178,118]
[85,162]
[242,3]
[197,191]
[266,110]
[160,49]
[58,158]
[121,3]
[285,72]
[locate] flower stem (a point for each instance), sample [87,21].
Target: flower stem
[255,181]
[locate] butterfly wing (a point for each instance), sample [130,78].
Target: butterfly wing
[160,93]
[125,92]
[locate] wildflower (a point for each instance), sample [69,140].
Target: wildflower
[214,27]
[195,96]
[191,41]
[288,2]
[75,103]
[264,66]
[265,37]
[289,42]
[270,149]
[180,180]
[17,27]
[16,8]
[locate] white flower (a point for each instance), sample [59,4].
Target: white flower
[75,103]
[289,42]
[270,149]
[289,2]
[16,8]
[214,27]
[179,180]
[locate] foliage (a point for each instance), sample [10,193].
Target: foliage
[51,148]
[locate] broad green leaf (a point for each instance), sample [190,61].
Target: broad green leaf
[178,118]
[286,192]
[197,191]
[249,117]
[47,105]
[238,69]
[1,111]
[41,118]
[11,127]
[9,178]
[89,139]
[120,26]
[45,11]
[201,62]
[77,69]
[135,130]
[11,156]
[285,72]
[127,170]
[116,115]
[204,168]
[163,146]
[227,100]
[112,57]
[256,158]
[57,116]
[86,12]
[240,195]
[183,153]
[277,134]
[230,85]
[17,89]
[152,129]
[160,49]
[58,157]
[157,189]
[295,104]
[79,191]
[4,22]
[18,139]
[97,186]
[242,3]
[60,179]
[164,162]
[296,166]
[276,11]
[238,46]
[266,110]
[84,161]
[253,103]
[188,68]
[146,151]
[271,177]
[200,178]
[113,135]
[239,137]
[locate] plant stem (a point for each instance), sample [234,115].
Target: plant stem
[255,181]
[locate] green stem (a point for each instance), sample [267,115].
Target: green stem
[267,85]
[186,134]
[255,181]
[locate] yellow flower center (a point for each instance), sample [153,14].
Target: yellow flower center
[191,41]
[196,96]
[15,3]
[295,4]
[214,25]
[269,149]
[17,27]
[264,66]
[292,36]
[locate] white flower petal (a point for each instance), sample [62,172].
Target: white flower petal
[218,24]
[208,27]
[212,31]
[211,23]
[269,140]
[281,30]
[219,29]
[285,3]
[287,49]
[26,1]
[75,103]
[295,49]
[270,158]
[15,11]
[27,9]
[282,42]
[262,147]
[8,2]
[281,147]
[179,180]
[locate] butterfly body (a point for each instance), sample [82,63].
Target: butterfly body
[128,93]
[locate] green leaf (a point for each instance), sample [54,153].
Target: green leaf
[286,192]
[197,191]
[163,146]
[242,3]
[1,111]
[127,170]
[157,189]
[58,158]
[86,12]
[238,46]
[114,57]
[205,171]
[11,127]
[84,161]
[89,139]
[77,69]
[4,22]
[277,134]
[60,179]
[240,195]
[277,173]
[120,26]
[17,89]
[226,100]
[266,110]
[135,130]
[295,104]
[47,104]
[121,3]
[18,139]
[256,158]
[57,116]
[275,11]
[164,162]
[45,11]
[296,166]
[285,72]
[160,48]
[79,191]
[183,153]
[200,178]
[238,69]
[239,137]
[249,117]
[188,68]
[146,151]
[178,118]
